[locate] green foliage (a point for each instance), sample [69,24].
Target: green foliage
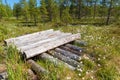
[43,10]
[17,10]
[66,18]
[14,65]
[107,73]
[88,64]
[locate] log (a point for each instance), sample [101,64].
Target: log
[81,43]
[50,45]
[68,54]
[70,50]
[31,75]
[74,47]
[36,67]
[56,61]
[4,75]
[65,59]
[39,43]
[38,38]
[25,37]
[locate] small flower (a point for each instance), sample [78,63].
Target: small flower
[87,72]
[99,65]
[80,70]
[79,74]
[92,71]
[98,59]
[104,57]
[91,77]
[81,62]
[80,50]
[83,78]
[78,66]
[68,78]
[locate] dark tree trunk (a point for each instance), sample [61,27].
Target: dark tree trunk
[79,8]
[94,9]
[109,12]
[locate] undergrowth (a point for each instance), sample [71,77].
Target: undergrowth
[103,46]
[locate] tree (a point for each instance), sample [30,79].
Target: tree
[17,10]
[43,10]
[109,12]
[66,18]
[52,8]
[25,10]
[33,10]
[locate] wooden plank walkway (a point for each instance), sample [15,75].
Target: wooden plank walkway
[34,44]
[49,45]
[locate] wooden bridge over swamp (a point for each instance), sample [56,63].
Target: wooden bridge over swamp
[55,46]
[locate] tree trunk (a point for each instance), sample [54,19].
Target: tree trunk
[79,9]
[109,12]
[94,9]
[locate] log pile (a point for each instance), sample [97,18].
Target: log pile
[51,45]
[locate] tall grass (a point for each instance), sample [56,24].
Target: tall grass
[103,45]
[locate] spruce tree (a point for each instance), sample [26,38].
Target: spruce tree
[66,18]
[43,10]
[33,10]
[53,10]
[17,10]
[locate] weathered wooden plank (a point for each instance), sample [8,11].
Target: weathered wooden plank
[74,47]
[70,50]
[64,58]
[68,54]
[25,37]
[38,38]
[56,61]
[36,67]
[4,75]
[50,45]
[39,43]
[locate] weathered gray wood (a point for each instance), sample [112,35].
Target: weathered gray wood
[4,75]
[38,38]
[25,37]
[56,61]
[50,45]
[65,59]
[71,50]
[74,47]
[68,54]
[39,43]
[31,75]
[36,67]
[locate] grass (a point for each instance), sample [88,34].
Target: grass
[103,46]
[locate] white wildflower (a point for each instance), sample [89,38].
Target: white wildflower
[91,77]
[104,57]
[92,71]
[87,72]
[81,62]
[99,65]
[68,78]
[83,78]
[79,74]
[98,59]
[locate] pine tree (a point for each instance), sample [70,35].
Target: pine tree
[53,10]
[33,10]
[66,18]
[43,10]
[25,10]
[17,10]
